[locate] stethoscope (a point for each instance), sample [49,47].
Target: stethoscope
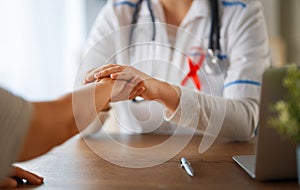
[212,61]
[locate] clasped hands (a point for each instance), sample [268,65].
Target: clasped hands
[132,83]
[128,82]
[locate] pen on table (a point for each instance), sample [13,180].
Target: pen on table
[187,166]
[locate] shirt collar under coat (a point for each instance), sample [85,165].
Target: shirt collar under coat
[198,9]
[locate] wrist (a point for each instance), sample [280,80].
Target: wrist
[165,93]
[103,95]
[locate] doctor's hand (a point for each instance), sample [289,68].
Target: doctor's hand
[105,71]
[122,89]
[125,89]
[91,77]
[155,89]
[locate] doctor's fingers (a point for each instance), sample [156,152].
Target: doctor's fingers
[109,66]
[126,91]
[90,74]
[121,91]
[108,71]
[129,75]
[138,90]
[134,89]
[89,78]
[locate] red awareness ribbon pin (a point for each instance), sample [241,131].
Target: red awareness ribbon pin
[194,67]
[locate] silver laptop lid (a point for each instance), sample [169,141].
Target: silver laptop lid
[275,155]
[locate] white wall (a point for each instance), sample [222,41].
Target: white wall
[272,12]
[291,29]
[283,18]
[40,44]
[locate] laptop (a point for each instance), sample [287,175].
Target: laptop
[275,157]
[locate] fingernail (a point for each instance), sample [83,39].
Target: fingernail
[39,181]
[42,179]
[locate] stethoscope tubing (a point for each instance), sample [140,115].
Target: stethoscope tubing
[214,40]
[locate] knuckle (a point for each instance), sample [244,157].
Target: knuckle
[111,64]
[118,67]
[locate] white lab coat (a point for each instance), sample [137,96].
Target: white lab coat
[228,100]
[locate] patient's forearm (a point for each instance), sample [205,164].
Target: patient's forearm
[55,122]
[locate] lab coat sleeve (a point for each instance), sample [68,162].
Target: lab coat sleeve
[235,114]
[15,114]
[232,119]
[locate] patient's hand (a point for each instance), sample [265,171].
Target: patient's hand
[17,176]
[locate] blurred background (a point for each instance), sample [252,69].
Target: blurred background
[41,41]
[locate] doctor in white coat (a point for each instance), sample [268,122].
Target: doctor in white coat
[202,61]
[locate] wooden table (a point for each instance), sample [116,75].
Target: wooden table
[75,166]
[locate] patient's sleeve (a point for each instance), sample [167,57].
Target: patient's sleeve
[15,114]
